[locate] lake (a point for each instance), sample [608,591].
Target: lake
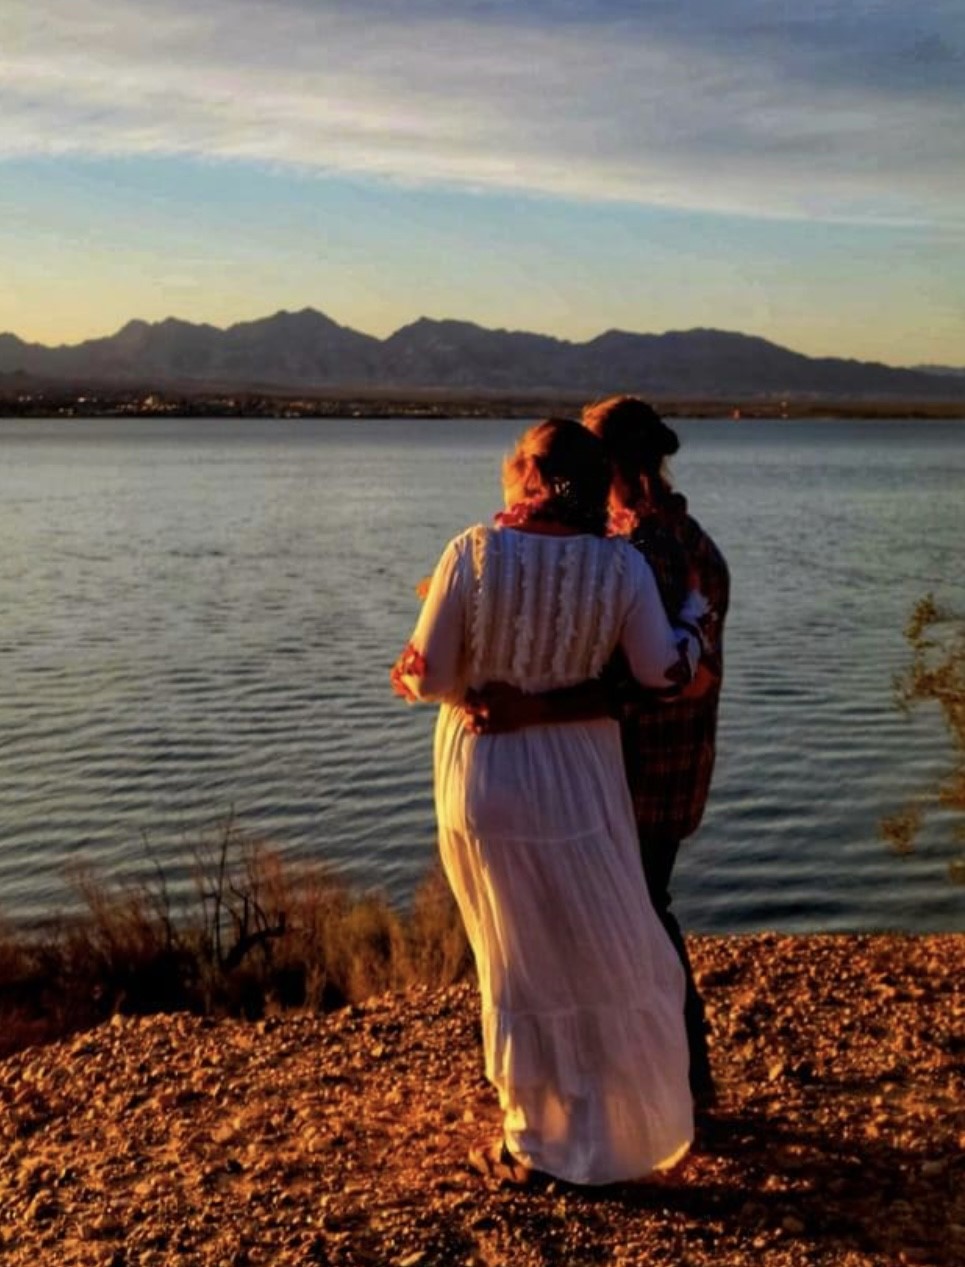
[199,617]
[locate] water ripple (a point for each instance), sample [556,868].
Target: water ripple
[201,622]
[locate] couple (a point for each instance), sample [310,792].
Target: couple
[582,988]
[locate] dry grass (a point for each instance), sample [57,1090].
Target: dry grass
[260,937]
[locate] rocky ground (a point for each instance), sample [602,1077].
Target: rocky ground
[342,1139]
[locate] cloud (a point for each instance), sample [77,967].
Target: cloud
[838,111]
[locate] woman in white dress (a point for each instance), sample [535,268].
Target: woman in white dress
[582,991]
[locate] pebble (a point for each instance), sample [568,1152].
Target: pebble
[42,1208]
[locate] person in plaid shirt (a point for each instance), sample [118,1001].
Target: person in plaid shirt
[669,739]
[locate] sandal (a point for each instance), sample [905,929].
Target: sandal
[496,1163]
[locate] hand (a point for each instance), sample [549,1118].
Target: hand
[696,608]
[704,679]
[499,708]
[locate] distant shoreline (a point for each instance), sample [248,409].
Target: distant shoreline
[47,402]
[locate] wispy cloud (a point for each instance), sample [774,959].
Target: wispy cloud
[841,111]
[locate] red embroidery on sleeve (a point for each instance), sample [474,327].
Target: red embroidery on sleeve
[411,663]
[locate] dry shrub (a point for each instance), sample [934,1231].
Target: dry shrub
[263,935]
[438,949]
[23,1017]
[125,949]
[116,953]
[366,951]
[317,944]
[934,677]
[277,934]
[301,904]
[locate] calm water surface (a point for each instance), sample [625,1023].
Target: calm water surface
[198,618]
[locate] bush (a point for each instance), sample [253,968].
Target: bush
[262,935]
[936,676]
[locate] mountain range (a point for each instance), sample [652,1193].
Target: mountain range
[307,351]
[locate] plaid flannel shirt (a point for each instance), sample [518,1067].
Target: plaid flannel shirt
[669,743]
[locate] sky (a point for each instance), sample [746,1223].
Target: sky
[791,171]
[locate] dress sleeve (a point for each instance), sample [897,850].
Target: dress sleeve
[658,655]
[431,664]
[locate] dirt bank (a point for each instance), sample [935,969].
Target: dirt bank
[342,1139]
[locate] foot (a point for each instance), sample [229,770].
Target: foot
[496,1163]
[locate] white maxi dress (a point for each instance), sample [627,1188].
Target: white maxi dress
[582,991]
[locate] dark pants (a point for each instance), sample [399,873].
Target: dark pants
[659,853]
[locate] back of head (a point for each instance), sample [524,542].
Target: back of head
[636,438]
[561,465]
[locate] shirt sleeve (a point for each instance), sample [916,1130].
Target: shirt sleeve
[657,654]
[430,667]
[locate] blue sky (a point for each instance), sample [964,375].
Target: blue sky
[794,172]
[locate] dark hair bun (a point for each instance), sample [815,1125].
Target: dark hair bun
[661,440]
[634,434]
